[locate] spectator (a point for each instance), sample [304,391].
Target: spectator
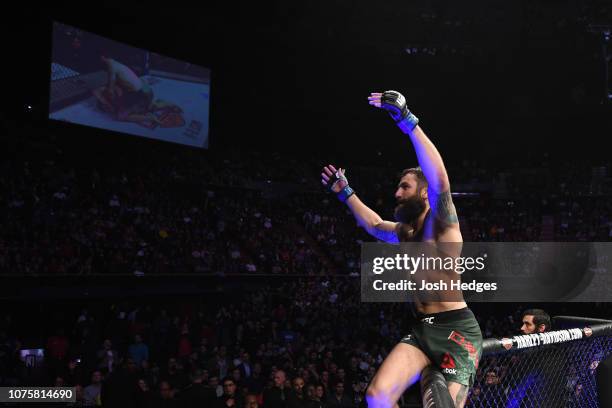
[318,399]
[79,398]
[220,363]
[213,383]
[197,394]
[245,366]
[276,396]
[73,374]
[107,357]
[91,393]
[144,397]
[475,397]
[492,389]
[296,398]
[250,401]
[57,349]
[59,382]
[535,321]
[165,398]
[175,374]
[230,397]
[138,351]
[339,399]
[255,382]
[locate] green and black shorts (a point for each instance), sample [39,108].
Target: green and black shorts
[453,342]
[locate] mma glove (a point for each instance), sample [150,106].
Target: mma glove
[395,103]
[346,191]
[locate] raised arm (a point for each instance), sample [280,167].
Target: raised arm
[430,160]
[367,218]
[438,186]
[428,156]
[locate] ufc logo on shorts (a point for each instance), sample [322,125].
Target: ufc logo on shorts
[428,320]
[449,371]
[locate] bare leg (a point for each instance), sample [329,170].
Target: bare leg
[400,370]
[458,393]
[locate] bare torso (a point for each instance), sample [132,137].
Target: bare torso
[432,233]
[125,77]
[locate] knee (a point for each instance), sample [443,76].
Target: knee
[377,396]
[372,391]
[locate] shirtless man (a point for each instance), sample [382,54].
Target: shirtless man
[448,336]
[128,96]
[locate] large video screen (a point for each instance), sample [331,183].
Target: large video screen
[102,83]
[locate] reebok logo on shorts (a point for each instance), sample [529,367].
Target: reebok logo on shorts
[448,364]
[447,361]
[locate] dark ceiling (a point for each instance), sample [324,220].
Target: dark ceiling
[488,77]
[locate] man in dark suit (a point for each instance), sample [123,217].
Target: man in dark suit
[276,397]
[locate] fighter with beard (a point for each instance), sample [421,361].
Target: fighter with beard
[447,336]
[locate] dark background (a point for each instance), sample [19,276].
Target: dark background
[496,84]
[507,79]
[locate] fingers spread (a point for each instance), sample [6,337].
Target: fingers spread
[375,99]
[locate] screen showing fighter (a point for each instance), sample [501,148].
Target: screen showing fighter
[102,83]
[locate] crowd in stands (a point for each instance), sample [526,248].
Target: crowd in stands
[195,214]
[302,343]
[307,342]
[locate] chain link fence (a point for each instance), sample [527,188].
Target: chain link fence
[555,369]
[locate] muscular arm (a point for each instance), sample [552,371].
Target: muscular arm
[438,190]
[428,156]
[365,216]
[442,207]
[371,221]
[429,159]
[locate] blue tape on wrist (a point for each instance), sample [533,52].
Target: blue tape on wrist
[345,193]
[410,121]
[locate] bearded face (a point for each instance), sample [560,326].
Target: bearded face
[409,209]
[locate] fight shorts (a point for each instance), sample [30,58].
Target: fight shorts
[453,342]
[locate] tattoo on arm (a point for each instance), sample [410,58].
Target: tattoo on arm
[461,394]
[445,209]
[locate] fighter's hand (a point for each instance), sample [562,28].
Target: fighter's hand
[375,99]
[395,103]
[392,101]
[333,179]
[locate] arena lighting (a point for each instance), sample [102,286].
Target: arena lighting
[600,29]
[454,194]
[422,50]
[605,31]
